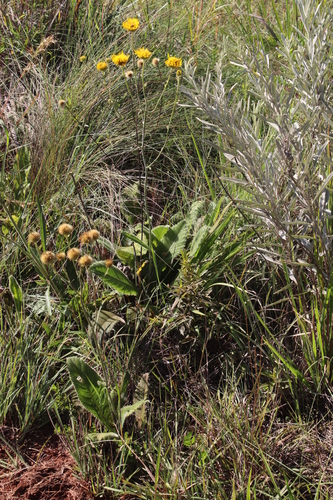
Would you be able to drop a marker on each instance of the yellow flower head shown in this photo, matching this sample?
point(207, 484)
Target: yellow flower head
point(131, 24)
point(120, 59)
point(173, 62)
point(83, 58)
point(33, 237)
point(47, 258)
point(179, 73)
point(143, 53)
point(102, 66)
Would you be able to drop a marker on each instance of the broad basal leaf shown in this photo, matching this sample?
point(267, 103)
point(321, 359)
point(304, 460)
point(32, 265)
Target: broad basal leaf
point(115, 278)
point(91, 390)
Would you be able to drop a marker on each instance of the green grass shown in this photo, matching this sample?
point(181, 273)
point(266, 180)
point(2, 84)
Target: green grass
point(211, 191)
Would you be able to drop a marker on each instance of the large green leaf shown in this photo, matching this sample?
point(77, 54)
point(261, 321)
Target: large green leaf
point(91, 390)
point(128, 410)
point(113, 277)
point(175, 239)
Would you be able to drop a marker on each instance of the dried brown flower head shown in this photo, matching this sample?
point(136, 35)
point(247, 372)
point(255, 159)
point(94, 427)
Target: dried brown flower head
point(94, 234)
point(33, 237)
point(65, 229)
point(108, 262)
point(73, 253)
point(61, 256)
point(85, 261)
point(47, 258)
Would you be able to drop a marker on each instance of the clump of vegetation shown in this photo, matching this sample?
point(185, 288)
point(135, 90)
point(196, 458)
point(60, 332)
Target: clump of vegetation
point(166, 239)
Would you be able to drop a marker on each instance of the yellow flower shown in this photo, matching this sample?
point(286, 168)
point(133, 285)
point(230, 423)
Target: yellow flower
point(73, 253)
point(179, 73)
point(47, 257)
point(33, 237)
point(131, 24)
point(173, 62)
point(120, 59)
point(102, 66)
point(65, 229)
point(143, 53)
point(83, 58)
point(85, 261)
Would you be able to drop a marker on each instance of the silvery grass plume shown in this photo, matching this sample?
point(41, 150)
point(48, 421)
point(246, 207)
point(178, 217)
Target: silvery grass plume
point(276, 140)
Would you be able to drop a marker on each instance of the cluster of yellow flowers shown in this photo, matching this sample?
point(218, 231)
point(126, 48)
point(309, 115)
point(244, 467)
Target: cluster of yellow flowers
point(121, 59)
point(73, 254)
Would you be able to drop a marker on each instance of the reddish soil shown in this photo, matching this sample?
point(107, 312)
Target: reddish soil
point(47, 471)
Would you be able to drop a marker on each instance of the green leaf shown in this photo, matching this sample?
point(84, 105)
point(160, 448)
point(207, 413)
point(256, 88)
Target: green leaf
point(160, 231)
point(113, 277)
point(126, 411)
point(17, 293)
point(137, 240)
point(198, 238)
point(128, 254)
point(175, 239)
point(48, 301)
point(91, 390)
point(42, 224)
point(141, 393)
point(100, 437)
